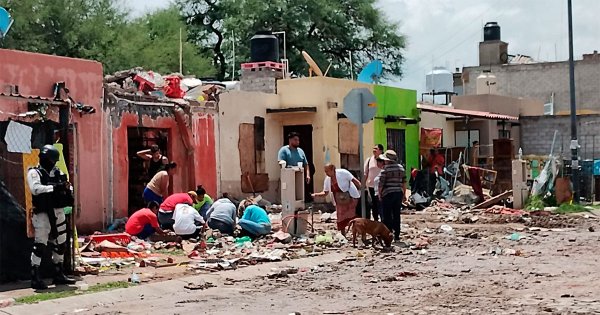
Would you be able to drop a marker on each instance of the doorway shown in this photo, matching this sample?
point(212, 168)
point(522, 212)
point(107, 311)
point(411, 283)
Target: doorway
point(396, 141)
point(306, 143)
point(138, 139)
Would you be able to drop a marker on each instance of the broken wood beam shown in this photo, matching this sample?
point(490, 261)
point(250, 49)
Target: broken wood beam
point(494, 200)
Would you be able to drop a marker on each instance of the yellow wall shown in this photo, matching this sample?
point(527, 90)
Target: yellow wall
point(237, 107)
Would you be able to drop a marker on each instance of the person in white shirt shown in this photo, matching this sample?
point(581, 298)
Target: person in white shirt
point(345, 188)
point(371, 171)
point(188, 222)
point(380, 164)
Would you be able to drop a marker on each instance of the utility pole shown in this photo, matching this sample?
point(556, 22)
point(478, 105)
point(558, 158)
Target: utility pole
point(574, 142)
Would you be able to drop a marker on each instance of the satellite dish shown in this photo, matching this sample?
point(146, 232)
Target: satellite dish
point(6, 22)
point(313, 68)
point(371, 73)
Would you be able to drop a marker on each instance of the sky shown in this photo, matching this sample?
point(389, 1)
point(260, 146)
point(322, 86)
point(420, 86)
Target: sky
point(447, 32)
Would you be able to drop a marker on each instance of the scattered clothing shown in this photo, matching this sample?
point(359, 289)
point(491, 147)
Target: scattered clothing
point(138, 221)
point(187, 220)
point(292, 156)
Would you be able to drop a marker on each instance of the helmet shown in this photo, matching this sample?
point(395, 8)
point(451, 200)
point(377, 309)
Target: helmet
point(49, 152)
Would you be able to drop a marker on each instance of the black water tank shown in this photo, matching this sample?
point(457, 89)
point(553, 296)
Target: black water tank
point(491, 31)
point(264, 46)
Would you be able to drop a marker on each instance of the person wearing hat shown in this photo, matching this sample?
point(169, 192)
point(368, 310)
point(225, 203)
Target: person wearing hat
point(51, 193)
point(371, 171)
point(165, 213)
point(392, 189)
point(345, 188)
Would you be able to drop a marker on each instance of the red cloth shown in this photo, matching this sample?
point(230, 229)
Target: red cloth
point(139, 219)
point(476, 182)
point(173, 88)
point(169, 204)
point(437, 161)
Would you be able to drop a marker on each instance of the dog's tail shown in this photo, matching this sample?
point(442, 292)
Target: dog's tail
point(350, 224)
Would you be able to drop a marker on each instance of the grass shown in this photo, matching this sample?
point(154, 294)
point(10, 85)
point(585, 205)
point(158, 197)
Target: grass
point(45, 296)
point(570, 208)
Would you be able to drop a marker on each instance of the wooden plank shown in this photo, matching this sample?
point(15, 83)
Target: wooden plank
point(246, 149)
point(347, 137)
point(494, 200)
point(254, 183)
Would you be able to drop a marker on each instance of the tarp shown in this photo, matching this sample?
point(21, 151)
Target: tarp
point(15, 247)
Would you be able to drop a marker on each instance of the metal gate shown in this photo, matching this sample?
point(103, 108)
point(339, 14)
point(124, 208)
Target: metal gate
point(396, 141)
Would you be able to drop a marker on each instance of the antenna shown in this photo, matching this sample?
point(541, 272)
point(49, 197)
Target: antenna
point(313, 67)
point(6, 22)
point(233, 51)
point(180, 52)
point(371, 73)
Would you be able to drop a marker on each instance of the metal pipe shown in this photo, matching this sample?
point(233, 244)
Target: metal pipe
point(574, 143)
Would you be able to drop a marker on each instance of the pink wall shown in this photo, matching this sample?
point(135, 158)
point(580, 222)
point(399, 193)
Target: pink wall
point(35, 74)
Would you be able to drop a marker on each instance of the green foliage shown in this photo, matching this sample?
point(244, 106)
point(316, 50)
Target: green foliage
point(328, 30)
point(100, 30)
point(570, 208)
point(534, 203)
point(45, 296)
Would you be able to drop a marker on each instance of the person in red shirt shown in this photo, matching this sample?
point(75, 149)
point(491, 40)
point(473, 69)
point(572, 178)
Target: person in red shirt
point(144, 222)
point(436, 162)
point(165, 213)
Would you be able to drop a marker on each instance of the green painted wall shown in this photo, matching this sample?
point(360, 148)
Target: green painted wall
point(393, 101)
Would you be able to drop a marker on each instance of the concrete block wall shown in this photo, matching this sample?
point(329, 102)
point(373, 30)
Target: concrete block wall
point(537, 133)
point(265, 85)
point(540, 80)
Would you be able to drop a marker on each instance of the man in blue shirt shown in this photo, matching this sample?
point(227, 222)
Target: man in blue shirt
point(292, 154)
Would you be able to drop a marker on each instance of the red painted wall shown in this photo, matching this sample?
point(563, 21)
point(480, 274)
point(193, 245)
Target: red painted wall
point(205, 152)
point(35, 74)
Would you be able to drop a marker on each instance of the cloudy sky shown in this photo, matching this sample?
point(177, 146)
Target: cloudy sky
point(446, 32)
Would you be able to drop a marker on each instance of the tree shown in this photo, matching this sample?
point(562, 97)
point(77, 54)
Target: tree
point(329, 30)
point(100, 30)
point(152, 42)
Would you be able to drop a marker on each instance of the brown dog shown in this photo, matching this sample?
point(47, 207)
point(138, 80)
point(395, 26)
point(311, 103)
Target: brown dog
point(378, 231)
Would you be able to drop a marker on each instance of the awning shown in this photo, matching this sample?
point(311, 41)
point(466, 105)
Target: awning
point(292, 110)
point(464, 112)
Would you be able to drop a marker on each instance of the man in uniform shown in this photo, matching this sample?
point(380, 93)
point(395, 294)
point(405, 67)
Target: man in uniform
point(51, 193)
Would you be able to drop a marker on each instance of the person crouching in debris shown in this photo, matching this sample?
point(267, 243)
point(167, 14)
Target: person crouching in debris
point(143, 223)
point(204, 201)
point(51, 193)
point(221, 216)
point(254, 220)
point(165, 213)
point(345, 188)
point(188, 223)
point(392, 190)
point(158, 187)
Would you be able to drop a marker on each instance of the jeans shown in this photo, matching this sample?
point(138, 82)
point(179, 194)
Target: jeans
point(392, 204)
point(255, 229)
point(149, 195)
point(166, 220)
point(146, 232)
point(374, 204)
point(204, 209)
point(223, 227)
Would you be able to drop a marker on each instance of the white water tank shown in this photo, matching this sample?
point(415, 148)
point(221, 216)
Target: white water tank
point(487, 84)
point(439, 80)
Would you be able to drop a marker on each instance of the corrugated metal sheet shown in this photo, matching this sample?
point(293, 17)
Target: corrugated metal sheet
point(464, 112)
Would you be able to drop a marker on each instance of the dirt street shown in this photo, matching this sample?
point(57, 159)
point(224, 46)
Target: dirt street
point(472, 269)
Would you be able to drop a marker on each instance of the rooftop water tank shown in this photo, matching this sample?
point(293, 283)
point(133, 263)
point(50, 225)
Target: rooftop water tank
point(439, 80)
point(491, 31)
point(264, 46)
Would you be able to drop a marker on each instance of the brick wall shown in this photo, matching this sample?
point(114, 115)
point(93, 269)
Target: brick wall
point(537, 133)
point(539, 80)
